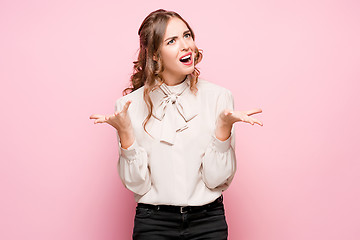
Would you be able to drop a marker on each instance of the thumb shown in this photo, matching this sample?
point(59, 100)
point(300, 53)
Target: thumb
point(228, 112)
point(126, 106)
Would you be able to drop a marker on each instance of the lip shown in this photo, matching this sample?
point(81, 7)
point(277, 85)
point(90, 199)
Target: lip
point(187, 63)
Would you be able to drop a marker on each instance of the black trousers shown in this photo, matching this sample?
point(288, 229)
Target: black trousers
point(207, 224)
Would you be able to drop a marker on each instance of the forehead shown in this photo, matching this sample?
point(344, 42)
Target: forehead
point(175, 27)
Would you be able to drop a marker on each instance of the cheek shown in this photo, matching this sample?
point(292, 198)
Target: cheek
point(169, 55)
point(192, 45)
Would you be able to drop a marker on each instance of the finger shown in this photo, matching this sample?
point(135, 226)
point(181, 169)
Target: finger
point(237, 114)
point(100, 120)
point(253, 111)
point(108, 117)
point(246, 120)
point(228, 112)
point(126, 106)
point(96, 116)
point(257, 121)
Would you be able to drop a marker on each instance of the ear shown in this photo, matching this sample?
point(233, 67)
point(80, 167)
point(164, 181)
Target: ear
point(155, 58)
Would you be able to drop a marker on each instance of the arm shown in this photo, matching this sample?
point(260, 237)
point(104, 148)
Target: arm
point(133, 168)
point(219, 161)
point(133, 161)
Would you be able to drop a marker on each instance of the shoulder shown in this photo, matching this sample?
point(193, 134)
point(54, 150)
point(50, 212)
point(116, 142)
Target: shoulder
point(215, 95)
point(135, 97)
point(206, 87)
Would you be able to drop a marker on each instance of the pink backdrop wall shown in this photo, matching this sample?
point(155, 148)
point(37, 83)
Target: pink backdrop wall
point(61, 61)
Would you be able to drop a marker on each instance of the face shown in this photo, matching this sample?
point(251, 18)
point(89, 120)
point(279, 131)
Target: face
point(177, 51)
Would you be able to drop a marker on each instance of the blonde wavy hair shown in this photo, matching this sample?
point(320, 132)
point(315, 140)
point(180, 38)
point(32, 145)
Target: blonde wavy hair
point(147, 71)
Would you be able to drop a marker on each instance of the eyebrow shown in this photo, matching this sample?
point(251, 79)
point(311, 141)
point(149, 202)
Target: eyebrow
point(175, 37)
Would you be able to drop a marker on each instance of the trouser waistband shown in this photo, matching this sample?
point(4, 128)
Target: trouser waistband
point(182, 209)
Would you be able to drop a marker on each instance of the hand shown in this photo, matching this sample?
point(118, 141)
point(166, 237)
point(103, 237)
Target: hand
point(119, 120)
point(227, 117)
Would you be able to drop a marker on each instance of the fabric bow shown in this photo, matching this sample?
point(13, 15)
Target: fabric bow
point(170, 109)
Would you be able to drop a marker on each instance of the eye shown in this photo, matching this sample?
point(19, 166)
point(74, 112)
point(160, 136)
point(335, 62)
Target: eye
point(171, 41)
point(187, 35)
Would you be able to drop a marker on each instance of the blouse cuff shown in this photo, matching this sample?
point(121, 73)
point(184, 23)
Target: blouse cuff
point(130, 152)
point(222, 146)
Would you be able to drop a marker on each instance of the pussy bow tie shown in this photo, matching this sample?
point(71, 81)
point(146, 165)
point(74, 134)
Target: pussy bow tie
point(174, 110)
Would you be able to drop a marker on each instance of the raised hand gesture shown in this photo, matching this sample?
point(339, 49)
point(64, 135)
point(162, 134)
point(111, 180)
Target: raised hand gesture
point(230, 117)
point(121, 122)
point(227, 118)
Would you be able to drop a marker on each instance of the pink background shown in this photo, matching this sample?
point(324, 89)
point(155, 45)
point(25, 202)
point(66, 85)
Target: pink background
point(61, 61)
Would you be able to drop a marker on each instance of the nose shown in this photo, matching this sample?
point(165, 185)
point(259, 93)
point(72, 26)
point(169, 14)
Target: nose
point(184, 45)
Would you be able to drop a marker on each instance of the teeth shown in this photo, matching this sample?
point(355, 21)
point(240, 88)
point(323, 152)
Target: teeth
point(186, 57)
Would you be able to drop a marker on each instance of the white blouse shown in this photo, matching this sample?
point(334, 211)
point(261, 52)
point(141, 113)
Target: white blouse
point(179, 161)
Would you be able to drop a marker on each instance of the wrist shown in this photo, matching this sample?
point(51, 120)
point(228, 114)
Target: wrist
point(223, 131)
point(125, 134)
point(126, 138)
point(223, 125)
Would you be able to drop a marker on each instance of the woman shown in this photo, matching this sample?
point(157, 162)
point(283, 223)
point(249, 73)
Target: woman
point(176, 136)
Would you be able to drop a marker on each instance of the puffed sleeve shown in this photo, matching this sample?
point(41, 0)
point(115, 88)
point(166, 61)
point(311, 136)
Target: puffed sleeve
point(219, 161)
point(133, 164)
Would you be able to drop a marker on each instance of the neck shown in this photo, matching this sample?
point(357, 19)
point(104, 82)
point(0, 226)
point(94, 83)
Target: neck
point(174, 80)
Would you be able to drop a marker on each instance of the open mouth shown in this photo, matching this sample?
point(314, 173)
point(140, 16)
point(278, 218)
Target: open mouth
point(186, 59)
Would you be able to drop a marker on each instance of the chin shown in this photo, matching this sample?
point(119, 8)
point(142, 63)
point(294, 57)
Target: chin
point(189, 71)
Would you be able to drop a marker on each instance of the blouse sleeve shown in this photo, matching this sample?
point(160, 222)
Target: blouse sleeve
point(219, 161)
point(133, 165)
